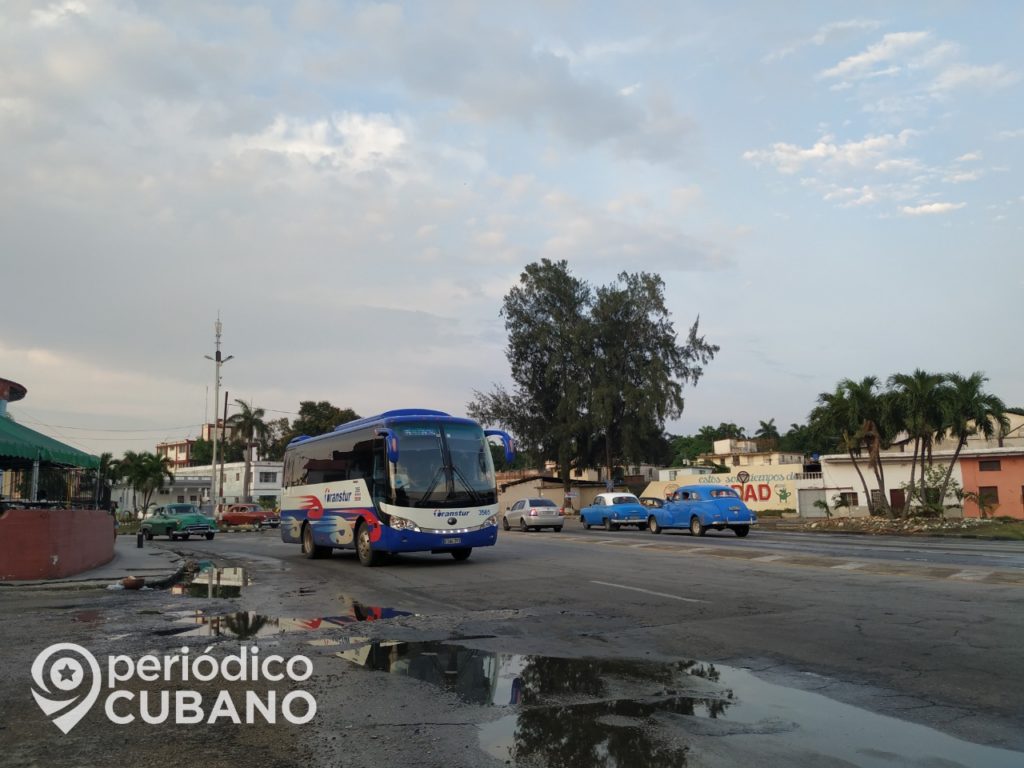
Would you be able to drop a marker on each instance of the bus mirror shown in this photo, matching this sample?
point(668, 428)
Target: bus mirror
point(506, 441)
point(390, 444)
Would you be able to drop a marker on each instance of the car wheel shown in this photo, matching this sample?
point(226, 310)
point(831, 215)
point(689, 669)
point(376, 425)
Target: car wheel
point(504, 523)
point(368, 556)
point(697, 528)
point(209, 537)
point(148, 534)
point(652, 524)
point(462, 554)
point(522, 525)
point(586, 525)
point(608, 524)
point(557, 529)
point(741, 530)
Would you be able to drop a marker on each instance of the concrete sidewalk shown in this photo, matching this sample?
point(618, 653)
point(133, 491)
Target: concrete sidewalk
point(151, 563)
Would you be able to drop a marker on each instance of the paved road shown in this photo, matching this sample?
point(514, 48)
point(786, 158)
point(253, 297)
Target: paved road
point(572, 649)
point(923, 630)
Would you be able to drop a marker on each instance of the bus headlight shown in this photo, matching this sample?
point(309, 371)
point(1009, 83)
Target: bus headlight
point(401, 524)
point(491, 521)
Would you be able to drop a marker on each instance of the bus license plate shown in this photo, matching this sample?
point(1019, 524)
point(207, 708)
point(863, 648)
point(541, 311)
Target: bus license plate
point(452, 541)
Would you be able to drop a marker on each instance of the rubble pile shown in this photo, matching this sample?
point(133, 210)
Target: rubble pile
point(885, 525)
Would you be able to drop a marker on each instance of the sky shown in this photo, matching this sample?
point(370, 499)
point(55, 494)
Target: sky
point(833, 188)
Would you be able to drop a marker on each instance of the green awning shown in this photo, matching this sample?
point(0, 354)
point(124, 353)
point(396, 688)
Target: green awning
point(19, 444)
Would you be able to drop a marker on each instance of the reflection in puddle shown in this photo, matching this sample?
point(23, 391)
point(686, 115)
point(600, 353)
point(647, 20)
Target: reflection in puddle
point(244, 624)
point(623, 713)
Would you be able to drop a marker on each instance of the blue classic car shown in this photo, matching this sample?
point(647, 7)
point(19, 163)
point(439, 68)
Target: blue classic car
point(614, 509)
point(699, 507)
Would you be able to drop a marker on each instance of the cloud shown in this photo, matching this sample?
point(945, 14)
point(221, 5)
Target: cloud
point(967, 76)
point(825, 34)
point(1010, 134)
point(790, 158)
point(892, 46)
point(969, 157)
point(931, 209)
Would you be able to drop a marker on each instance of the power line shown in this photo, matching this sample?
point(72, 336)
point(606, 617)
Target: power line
point(100, 429)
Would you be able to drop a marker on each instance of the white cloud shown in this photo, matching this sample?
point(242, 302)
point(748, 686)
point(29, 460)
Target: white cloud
point(57, 13)
point(1014, 134)
point(825, 34)
point(790, 158)
point(892, 46)
point(931, 209)
point(969, 157)
point(959, 177)
point(968, 76)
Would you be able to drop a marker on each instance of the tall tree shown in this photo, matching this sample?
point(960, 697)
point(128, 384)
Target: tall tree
point(637, 367)
point(767, 430)
point(835, 415)
point(920, 396)
point(969, 410)
point(868, 410)
point(546, 319)
point(249, 424)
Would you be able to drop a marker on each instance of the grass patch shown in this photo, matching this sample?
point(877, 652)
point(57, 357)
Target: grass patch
point(1003, 531)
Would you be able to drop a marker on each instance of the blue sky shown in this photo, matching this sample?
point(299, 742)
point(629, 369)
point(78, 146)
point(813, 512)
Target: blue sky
point(834, 188)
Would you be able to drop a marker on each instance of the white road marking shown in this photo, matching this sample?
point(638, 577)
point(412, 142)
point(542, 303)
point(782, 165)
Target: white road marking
point(648, 592)
point(848, 566)
point(645, 544)
point(971, 575)
point(767, 558)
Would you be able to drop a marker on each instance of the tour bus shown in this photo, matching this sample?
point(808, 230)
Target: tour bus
point(410, 480)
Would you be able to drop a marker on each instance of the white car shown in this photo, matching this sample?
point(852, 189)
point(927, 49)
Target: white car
point(533, 514)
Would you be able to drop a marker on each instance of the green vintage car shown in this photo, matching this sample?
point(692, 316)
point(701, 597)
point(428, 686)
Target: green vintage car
point(178, 521)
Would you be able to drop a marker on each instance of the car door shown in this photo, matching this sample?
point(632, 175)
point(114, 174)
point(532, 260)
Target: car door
point(517, 512)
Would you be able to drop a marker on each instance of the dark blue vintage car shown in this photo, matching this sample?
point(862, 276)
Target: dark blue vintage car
point(700, 507)
point(611, 510)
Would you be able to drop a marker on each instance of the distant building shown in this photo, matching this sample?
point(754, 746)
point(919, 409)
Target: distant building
point(266, 480)
point(179, 452)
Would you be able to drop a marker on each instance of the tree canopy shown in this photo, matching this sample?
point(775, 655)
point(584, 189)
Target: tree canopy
point(595, 372)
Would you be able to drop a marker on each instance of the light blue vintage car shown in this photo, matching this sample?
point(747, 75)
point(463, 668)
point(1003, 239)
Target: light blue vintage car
point(611, 510)
point(700, 507)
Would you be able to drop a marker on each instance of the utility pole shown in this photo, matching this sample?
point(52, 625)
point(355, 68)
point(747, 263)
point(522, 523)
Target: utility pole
point(217, 362)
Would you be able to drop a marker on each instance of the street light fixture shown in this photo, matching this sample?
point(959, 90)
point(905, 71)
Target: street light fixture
point(218, 361)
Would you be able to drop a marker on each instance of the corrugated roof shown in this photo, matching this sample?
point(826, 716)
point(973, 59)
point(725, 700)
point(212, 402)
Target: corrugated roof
point(19, 444)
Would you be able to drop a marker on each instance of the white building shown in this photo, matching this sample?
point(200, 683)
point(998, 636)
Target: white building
point(266, 481)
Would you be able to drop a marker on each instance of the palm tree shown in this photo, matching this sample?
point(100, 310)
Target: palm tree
point(249, 424)
point(152, 470)
point(836, 415)
point(920, 395)
point(970, 410)
point(872, 410)
point(767, 430)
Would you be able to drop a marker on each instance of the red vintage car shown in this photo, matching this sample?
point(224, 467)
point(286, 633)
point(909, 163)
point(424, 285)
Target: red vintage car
point(250, 515)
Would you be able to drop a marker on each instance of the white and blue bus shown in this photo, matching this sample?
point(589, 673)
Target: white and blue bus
point(410, 480)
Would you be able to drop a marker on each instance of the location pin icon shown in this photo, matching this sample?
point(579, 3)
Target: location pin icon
point(67, 674)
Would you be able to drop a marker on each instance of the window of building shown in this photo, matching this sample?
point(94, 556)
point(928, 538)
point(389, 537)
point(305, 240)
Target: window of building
point(238, 475)
point(672, 475)
point(193, 499)
point(849, 498)
point(989, 465)
point(988, 495)
point(181, 499)
point(268, 477)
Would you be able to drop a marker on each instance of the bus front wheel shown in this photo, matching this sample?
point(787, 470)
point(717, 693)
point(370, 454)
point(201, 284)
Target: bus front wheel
point(462, 554)
point(368, 556)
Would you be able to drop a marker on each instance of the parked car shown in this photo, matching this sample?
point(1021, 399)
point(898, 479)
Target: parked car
point(700, 507)
point(612, 510)
point(529, 514)
point(250, 514)
point(178, 521)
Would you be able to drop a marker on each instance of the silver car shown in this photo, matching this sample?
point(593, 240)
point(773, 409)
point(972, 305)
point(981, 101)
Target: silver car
point(529, 514)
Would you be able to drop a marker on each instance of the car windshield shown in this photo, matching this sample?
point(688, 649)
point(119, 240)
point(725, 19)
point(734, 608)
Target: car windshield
point(184, 509)
point(625, 500)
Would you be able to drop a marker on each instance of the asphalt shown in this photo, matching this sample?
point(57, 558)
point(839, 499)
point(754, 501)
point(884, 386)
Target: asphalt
point(157, 566)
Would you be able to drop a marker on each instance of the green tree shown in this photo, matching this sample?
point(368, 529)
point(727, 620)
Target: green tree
point(767, 430)
point(836, 415)
point(318, 418)
point(969, 410)
point(919, 397)
point(279, 432)
point(637, 367)
point(546, 319)
point(249, 425)
point(201, 452)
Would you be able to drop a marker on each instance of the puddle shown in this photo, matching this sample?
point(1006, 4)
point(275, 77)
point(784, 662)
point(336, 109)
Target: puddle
point(214, 582)
point(87, 617)
point(244, 625)
point(566, 713)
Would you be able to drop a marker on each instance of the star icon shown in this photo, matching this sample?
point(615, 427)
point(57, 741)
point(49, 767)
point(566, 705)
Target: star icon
point(67, 673)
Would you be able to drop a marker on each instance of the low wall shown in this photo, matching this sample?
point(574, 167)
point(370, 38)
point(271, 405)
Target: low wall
point(53, 543)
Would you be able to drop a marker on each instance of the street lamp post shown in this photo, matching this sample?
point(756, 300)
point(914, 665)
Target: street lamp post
point(217, 362)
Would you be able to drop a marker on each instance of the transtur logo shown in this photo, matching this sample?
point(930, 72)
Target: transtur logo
point(67, 673)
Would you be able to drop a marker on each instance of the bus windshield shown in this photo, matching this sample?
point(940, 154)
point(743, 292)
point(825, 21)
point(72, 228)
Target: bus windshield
point(442, 465)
